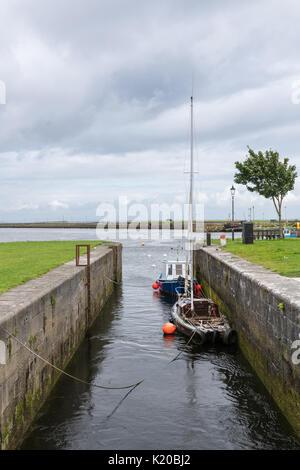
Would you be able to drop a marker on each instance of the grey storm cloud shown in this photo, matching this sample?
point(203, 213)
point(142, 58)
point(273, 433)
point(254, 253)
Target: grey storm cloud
point(98, 99)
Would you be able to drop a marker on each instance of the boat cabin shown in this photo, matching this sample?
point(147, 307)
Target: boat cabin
point(174, 269)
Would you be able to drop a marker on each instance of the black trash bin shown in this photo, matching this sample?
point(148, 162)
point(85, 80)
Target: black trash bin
point(247, 235)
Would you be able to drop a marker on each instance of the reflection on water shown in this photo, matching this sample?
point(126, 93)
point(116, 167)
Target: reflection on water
point(207, 399)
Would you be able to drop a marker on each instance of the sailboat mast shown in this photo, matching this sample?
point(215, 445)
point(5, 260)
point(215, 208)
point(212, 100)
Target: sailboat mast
point(190, 227)
point(189, 251)
point(191, 209)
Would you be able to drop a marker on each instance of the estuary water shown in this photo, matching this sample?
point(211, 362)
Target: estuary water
point(209, 398)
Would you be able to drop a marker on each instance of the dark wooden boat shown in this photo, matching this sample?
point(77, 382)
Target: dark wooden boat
point(205, 322)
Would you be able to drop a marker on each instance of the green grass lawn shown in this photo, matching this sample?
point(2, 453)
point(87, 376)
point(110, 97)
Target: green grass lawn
point(281, 256)
point(22, 261)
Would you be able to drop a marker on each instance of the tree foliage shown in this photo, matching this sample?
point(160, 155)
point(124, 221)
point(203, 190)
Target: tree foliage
point(267, 175)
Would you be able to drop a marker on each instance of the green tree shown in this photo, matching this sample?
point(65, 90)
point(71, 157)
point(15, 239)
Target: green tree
point(268, 176)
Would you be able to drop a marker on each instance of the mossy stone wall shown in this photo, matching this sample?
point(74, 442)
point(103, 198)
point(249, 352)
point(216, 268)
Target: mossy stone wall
point(264, 308)
point(50, 315)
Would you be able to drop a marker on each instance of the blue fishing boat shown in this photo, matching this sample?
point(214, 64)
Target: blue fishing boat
point(172, 282)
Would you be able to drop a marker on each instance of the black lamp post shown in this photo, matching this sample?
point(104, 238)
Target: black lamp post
point(232, 190)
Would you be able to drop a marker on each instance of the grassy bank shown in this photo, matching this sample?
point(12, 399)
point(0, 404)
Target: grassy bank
point(22, 261)
point(281, 256)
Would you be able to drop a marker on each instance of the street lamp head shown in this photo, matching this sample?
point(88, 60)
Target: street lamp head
point(232, 190)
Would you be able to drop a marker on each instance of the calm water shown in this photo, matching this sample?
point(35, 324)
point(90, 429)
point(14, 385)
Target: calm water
point(207, 399)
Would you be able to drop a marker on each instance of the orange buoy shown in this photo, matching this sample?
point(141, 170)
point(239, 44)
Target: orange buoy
point(155, 285)
point(169, 328)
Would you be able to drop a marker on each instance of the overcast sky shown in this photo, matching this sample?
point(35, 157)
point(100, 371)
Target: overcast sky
point(98, 96)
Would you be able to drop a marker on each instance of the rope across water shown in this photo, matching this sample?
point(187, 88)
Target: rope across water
point(77, 379)
point(66, 373)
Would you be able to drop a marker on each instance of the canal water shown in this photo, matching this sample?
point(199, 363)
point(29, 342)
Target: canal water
point(209, 398)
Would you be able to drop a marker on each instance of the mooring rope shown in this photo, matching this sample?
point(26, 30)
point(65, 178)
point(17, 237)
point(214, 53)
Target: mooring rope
point(135, 285)
point(120, 403)
point(193, 325)
point(186, 344)
point(119, 283)
point(66, 373)
point(77, 379)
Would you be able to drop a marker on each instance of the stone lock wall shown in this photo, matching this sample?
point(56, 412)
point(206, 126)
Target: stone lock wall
point(51, 316)
point(264, 308)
